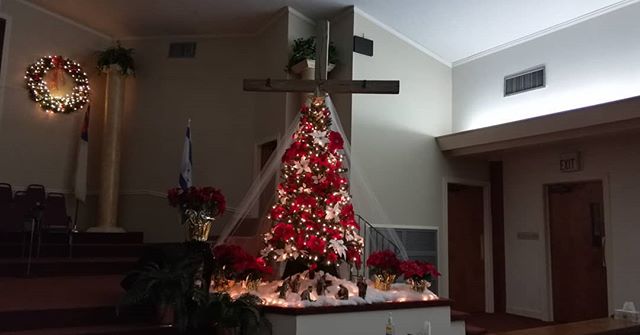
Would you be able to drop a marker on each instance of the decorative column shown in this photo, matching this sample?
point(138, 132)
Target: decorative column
point(112, 137)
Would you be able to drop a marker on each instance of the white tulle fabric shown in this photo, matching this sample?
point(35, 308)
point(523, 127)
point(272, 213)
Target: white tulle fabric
point(364, 202)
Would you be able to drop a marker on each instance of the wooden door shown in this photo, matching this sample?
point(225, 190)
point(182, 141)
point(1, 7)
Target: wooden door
point(466, 247)
point(578, 268)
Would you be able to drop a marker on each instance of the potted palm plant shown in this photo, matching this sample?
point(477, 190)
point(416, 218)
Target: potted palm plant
point(240, 316)
point(169, 286)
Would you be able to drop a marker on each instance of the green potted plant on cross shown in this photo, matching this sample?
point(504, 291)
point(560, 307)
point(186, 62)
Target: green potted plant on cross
point(303, 55)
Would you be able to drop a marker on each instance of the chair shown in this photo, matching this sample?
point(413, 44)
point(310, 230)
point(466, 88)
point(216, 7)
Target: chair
point(6, 194)
point(35, 194)
point(54, 218)
point(17, 215)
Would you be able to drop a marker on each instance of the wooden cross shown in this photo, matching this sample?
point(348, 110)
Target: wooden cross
point(321, 84)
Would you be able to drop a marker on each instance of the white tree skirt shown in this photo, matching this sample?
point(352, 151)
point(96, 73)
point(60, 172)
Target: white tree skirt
point(268, 291)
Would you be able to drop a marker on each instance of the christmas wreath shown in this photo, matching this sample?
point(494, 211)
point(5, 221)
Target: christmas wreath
point(41, 93)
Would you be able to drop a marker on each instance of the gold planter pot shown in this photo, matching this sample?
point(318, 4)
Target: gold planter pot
point(383, 281)
point(220, 283)
point(418, 285)
point(198, 225)
point(252, 284)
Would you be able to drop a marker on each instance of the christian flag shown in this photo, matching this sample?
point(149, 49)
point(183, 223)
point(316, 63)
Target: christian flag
point(186, 164)
point(82, 160)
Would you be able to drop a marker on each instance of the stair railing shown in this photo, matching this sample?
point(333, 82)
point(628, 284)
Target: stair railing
point(374, 239)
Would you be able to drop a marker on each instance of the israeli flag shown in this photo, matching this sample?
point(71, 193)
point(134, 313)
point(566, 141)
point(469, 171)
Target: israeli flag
point(186, 164)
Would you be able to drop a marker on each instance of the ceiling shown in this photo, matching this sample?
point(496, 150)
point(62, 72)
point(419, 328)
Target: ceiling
point(452, 29)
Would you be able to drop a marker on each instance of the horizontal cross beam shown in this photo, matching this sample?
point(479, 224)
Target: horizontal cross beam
point(329, 86)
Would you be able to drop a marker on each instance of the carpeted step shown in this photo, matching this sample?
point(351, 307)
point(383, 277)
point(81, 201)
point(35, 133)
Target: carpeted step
point(91, 250)
point(20, 320)
point(95, 238)
point(473, 330)
point(134, 329)
point(458, 315)
point(41, 267)
point(82, 237)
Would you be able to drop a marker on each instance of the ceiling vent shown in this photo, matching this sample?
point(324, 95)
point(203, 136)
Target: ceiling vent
point(525, 81)
point(182, 50)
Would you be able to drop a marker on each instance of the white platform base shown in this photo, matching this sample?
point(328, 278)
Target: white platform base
point(106, 230)
point(407, 321)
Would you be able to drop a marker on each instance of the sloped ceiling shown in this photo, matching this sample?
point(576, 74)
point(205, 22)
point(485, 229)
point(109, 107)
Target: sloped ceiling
point(452, 29)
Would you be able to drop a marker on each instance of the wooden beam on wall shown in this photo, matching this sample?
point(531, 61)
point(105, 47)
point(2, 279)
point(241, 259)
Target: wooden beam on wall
point(330, 86)
point(322, 50)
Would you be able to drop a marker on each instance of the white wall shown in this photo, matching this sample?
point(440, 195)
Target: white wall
point(38, 147)
point(393, 136)
point(616, 161)
point(228, 124)
point(161, 98)
point(299, 26)
point(595, 61)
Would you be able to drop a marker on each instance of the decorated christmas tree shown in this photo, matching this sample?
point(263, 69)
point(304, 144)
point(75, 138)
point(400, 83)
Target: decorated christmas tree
point(313, 219)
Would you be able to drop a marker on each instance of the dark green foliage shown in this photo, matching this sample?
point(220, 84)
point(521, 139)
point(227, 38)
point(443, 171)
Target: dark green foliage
point(305, 48)
point(242, 313)
point(179, 276)
point(168, 284)
point(119, 56)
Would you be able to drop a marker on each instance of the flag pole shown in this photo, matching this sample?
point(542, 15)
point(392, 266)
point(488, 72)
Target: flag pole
point(75, 218)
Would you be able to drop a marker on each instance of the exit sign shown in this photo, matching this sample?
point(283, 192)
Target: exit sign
point(570, 162)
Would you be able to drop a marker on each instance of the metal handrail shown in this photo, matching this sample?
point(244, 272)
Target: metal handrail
point(378, 233)
point(381, 241)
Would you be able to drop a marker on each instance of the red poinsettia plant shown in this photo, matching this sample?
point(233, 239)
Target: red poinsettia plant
point(383, 262)
point(208, 199)
point(253, 268)
point(419, 270)
point(235, 263)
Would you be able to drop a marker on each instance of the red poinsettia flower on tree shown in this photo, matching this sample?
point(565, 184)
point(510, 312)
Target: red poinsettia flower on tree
point(316, 245)
point(277, 212)
point(283, 232)
point(335, 141)
point(354, 257)
point(332, 257)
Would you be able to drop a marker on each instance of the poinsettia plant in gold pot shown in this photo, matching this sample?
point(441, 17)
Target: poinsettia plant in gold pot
point(419, 274)
point(384, 267)
point(199, 206)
